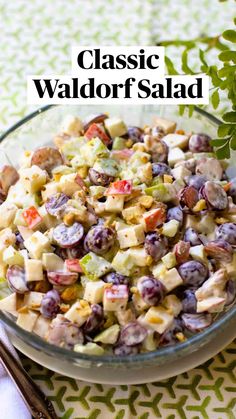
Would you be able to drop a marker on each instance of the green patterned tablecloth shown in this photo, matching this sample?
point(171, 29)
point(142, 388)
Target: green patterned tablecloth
point(35, 38)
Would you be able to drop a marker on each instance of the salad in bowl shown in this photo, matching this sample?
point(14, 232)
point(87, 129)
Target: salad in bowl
point(118, 239)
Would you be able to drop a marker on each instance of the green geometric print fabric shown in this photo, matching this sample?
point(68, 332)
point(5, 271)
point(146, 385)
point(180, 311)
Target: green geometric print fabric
point(35, 38)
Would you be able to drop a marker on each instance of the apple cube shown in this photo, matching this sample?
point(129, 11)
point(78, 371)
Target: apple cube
point(115, 298)
point(47, 220)
point(37, 244)
point(171, 279)
point(166, 125)
point(170, 228)
point(33, 300)
point(139, 256)
point(7, 214)
point(52, 263)
point(78, 314)
point(19, 219)
point(159, 270)
point(198, 253)
point(72, 126)
point(131, 236)
point(123, 262)
point(115, 126)
point(50, 189)
point(114, 203)
point(25, 232)
point(33, 178)
point(180, 172)
point(41, 326)
point(12, 257)
point(94, 291)
point(172, 304)
point(32, 217)
point(27, 320)
point(176, 140)
point(154, 218)
point(175, 155)
point(9, 304)
point(69, 184)
point(169, 260)
point(159, 319)
point(33, 270)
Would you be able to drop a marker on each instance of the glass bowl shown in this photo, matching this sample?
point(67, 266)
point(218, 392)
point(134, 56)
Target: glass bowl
point(38, 129)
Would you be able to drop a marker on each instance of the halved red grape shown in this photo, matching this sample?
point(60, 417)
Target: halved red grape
point(94, 119)
point(151, 290)
point(200, 143)
point(99, 239)
point(159, 169)
point(215, 195)
point(219, 250)
point(71, 253)
point(135, 134)
point(64, 333)
point(62, 278)
point(231, 292)
point(133, 334)
point(227, 232)
point(192, 237)
point(95, 319)
point(16, 279)
point(47, 158)
point(99, 179)
point(189, 301)
point(193, 273)
point(50, 304)
point(68, 236)
point(8, 177)
point(56, 204)
point(123, 350)
point(196, 322)
point(175, 213)
point(197, 181)
point(159, 152)
point(169, 336)
point(156, 246)
point(116, 279)
point(210, 168)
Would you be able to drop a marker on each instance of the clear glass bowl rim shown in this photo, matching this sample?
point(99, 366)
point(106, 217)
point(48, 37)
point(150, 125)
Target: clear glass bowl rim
point(169, 352)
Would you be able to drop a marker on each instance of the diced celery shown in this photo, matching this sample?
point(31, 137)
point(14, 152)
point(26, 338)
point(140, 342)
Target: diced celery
point(94, 266)
point(72, 147)
point(163, 192)
point(108, 166)
point(118, 143)
point(92, 150)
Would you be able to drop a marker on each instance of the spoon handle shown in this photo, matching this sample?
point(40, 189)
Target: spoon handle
point(38, 404)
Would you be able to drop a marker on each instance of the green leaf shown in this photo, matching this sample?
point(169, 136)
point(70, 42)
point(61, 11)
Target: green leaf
point(218, 142)
point(186, 69)
point(170, 67)
point(215, 99)
point(224, 129)
point(227, 70)
point(233, 142)
point(181, 109)
point(230, 35)
point(190, 110)
point(229, 117)
point(223, 152)
point(213, 73)
point(204, 67)
point(228, 56)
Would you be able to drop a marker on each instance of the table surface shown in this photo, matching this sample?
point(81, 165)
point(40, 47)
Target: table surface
point(35, 38)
